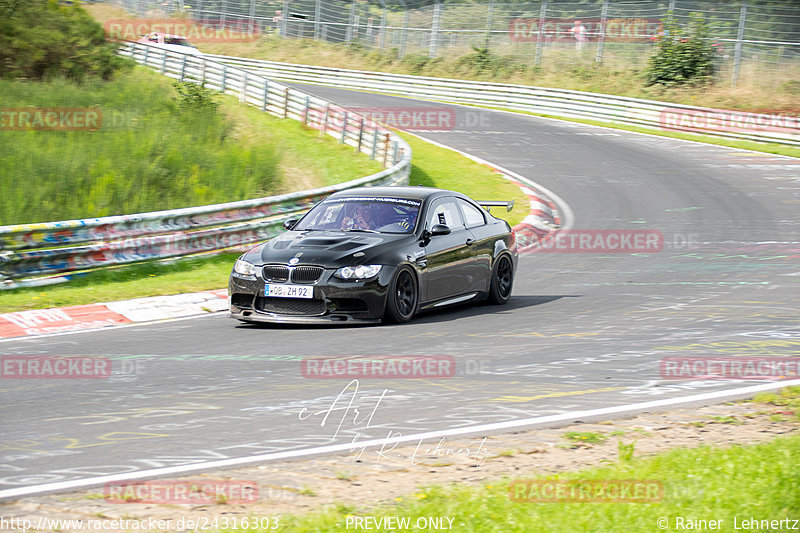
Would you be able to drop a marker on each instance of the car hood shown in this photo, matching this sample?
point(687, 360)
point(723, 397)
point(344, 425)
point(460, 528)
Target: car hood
point(325, 248)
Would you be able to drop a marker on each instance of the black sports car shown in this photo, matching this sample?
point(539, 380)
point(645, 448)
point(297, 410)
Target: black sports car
point(377, 253)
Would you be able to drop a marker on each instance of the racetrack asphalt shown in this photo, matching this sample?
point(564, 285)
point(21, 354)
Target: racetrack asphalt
point(582, 330)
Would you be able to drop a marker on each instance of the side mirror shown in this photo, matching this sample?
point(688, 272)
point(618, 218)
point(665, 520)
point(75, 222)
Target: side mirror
point(289, 224)
point(440, 229)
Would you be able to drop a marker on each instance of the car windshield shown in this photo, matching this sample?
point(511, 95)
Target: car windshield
point(378, 214)
point(180, 41)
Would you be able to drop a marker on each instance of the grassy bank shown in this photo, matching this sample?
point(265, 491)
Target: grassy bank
point(705, 483)
point(432, 166)
point(150, 154)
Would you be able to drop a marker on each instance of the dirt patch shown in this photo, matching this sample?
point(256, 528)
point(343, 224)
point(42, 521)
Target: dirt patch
point(373, 478)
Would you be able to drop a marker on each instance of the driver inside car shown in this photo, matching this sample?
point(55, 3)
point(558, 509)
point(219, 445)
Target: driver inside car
point(360, 218)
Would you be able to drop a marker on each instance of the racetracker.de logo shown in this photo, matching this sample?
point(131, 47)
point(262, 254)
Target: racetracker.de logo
point(379, 367)
point(602, 241)
point(54, 367)
point(220, 31)
point(193, 491)
point(586, 490)
point(50, 119)
point(771, 368)
point(399, 118)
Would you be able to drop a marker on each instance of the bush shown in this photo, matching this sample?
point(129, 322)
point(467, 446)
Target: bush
point(416, 62)
point(685, 54)
point(483, 61)
point(194, 96)
point(41, 40)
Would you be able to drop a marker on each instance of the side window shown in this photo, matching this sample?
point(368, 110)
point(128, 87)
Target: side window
point(446, 212)
point(472, 215)
point(153, 38)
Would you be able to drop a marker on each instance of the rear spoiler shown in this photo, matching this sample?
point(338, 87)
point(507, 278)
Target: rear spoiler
point(508, 205)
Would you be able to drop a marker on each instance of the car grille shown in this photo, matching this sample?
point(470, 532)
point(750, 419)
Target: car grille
point(276, 273)
point(306, 274)
point(291, 306)
point(301, 274)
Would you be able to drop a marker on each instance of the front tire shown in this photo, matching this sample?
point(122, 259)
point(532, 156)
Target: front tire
point(502, 280)
point(403, 297)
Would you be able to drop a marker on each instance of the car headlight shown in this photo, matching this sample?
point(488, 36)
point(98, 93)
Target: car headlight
point(244, 268)
point(358, 272)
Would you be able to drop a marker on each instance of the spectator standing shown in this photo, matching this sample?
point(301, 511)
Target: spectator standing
point(580, 34)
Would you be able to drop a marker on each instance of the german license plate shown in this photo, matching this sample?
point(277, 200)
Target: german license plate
point(288, 291)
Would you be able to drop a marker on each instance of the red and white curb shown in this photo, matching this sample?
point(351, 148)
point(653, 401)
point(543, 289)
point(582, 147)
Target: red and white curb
point(85, 317)
point(542, 220)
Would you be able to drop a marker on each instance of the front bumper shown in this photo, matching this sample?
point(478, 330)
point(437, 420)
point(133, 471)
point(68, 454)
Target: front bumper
point(334, 300)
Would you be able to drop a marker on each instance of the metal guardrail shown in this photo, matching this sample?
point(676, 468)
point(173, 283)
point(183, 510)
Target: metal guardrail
point(542, 100)
point(29, 250)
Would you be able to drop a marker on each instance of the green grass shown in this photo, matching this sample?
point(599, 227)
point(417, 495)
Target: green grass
point(432, 166)
point(157, 278)
point(704, 483)
point(151, 155)
point(585, 437)
point(786, 402)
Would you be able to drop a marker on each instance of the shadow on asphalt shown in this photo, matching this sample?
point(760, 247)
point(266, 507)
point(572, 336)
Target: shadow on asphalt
point(445, 314)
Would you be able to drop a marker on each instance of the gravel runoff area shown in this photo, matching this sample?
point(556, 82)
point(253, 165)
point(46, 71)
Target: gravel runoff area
point(372, 479)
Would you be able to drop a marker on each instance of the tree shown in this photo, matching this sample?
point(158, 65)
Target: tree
point(40, 39)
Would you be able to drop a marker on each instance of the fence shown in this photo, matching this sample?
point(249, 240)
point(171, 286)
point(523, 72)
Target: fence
point(559, 102)
point(42, 249)
point(763, 35)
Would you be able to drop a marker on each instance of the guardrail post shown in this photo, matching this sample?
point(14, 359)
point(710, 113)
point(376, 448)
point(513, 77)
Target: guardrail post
point(374, 150)
point(286, 102)
point(266, 95)
point(164, 63)
point(203, 73)
point(243, 95)
point(146, 53)
point(324, 126)
point(437, 15)
point(601, 38)
point(385, 149)
point(360, 135)
point(737, 54)
point(224, 76)
point(540, 33)
point(394, 152)
point(344, 128)
point(305, 111)
point(183, 67)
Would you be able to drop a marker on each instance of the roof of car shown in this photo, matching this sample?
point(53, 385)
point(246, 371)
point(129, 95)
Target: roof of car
point(416, 193)
point(170, 35)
